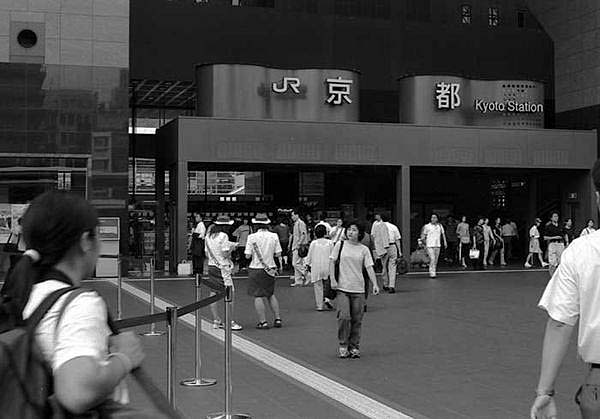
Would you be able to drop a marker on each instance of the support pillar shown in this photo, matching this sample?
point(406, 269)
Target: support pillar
point(159, 215)
point(533, 201)
point(181, 228)
point(402, 206)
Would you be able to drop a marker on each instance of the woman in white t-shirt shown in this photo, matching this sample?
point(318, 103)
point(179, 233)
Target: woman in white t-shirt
point(534, 245)
point(589, 229)
point(218, 250)
point(350, 283)
point(317, 262)
point(88, 364)
point(433, 235)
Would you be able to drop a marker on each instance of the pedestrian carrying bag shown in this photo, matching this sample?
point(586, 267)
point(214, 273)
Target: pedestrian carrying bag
point(272, 272)
point(303, 250)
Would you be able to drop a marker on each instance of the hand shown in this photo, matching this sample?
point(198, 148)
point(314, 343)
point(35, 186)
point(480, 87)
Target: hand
point(543, 407)
point(129, 345)
point(375, 289)
point(334, 284)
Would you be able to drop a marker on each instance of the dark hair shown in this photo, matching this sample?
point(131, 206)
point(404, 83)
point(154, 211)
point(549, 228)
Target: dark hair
point(320, 231)
point(554, 213)
point(52, 225)
point(219, 228)
point(436, 214)
point(359, 226)
point(384, 218)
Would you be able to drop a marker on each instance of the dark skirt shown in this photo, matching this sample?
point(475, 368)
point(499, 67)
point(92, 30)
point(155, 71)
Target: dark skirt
point(214, 280)
point(260, 284)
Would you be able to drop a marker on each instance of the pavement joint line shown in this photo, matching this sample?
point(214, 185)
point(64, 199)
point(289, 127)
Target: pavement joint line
point(347, 396)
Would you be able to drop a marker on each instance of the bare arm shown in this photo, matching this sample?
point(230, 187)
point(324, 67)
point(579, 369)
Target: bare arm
point(373, 279)
point(83, 383)
point(556, 342)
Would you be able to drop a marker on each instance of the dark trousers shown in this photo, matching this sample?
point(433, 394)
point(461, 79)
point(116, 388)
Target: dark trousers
point(478, 263)
point(451, 252)
point(508, 247)
point(198, 264)
point(350, 310)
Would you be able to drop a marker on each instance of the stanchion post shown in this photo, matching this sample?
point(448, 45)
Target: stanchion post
point(153, 331)
point(228, 386)
point(119, 291)
point(198, 381)
point(172, 346)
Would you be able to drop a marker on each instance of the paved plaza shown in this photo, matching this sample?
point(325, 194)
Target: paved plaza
point(466, 345)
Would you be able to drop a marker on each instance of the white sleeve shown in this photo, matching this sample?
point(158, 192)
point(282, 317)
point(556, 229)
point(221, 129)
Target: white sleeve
point(249, 247)
point(561, 297)
point(83, 330)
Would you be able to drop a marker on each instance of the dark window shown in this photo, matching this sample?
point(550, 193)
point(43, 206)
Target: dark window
point(312, 6)
point(419, 10)
point(521, 18)
point(346, 7)
point(493, 16)
point(466, 14)
point(27, 38)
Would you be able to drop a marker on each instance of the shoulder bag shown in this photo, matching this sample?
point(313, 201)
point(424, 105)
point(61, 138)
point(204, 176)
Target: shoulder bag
point(272, 272)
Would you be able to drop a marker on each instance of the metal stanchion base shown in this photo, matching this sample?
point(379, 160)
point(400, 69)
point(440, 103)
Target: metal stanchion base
point(229, 416)
point(153, 333)
point(199, 382)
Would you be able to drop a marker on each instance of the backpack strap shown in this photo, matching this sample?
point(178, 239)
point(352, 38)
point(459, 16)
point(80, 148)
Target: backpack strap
point(44, 306)
point(72, 295)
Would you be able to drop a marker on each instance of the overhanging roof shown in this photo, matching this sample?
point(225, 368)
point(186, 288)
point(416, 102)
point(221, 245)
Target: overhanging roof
point(173, 94)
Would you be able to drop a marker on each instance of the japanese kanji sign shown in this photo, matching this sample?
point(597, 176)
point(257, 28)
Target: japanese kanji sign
point(446, 95)
point(339, 91)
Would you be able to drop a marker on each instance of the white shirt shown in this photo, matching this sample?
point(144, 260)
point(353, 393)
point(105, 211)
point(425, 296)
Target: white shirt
point(220, 246)
point(393, 232)
point(433, 235)
point(318, 258)
point(83, 330)
point(200, 230)
point(587, 230)
point(268, 245)
point(534, 233)
point(573, 294)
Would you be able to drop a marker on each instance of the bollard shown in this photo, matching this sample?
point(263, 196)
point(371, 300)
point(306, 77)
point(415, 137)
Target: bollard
point(198, 381)
point(153, 331)
point(119, 291)
point(228, 386)
point(171, 344)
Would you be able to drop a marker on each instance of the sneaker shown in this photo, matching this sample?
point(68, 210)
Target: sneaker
point(343, 352)
point(354, 353)
point(528, 265)
point(328, 305)
point(234, 326)
point(217, 324)
point(545, 265)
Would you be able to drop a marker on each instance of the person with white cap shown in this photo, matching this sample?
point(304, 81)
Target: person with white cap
point(220, 266)
point(262, 248)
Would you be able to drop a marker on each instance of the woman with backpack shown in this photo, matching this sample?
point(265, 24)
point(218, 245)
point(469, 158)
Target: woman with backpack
point(87, 363)
point(348, 261)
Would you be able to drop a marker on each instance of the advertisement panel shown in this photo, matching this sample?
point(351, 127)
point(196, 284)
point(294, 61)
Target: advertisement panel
point(257, 92)
point(450, 100)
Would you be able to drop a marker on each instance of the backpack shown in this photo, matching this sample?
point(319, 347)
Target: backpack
point(25, 377)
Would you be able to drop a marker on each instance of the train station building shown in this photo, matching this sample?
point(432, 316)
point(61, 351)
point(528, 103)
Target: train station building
point(341, 108)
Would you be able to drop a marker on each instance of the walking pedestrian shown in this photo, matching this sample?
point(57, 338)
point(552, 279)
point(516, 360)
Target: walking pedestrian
point(589, 229)
point(556, 237)
point(197, 245)
point(509, 235)
point(452, 238)
point(433, 235)
point(220, 266)
point(478, 243)
point(241, 237)
point(381, 240)
point(464, 235)
point(317, 262)
point(498, 246)
point(390, 262)
point(347, 262)
point(569, 231)
point(489, 240)
point(262, 248)
point(283, 233)
point(573, 296)
point(299, 248)
point(534, 245)
point(89, 366)
point(338, 232)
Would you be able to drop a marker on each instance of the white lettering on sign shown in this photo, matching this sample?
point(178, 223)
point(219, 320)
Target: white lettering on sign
point(484, 106)
point(338, 90)
point(447, 95)
point(287, 83)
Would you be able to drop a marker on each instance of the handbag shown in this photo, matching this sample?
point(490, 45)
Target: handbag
point(474, 253)
point(272, 272)
point(184, 268)
point(303, 250)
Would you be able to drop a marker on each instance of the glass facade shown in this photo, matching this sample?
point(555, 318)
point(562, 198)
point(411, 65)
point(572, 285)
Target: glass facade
point(64, 127)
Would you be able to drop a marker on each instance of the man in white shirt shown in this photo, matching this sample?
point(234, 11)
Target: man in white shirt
point(432, 235)
point(390, 260)
point(572, 295)
point(381, 237)
point(299, 240)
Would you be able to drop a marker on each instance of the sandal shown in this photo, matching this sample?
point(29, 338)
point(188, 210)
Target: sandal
point(277, 323)
point(262, 325)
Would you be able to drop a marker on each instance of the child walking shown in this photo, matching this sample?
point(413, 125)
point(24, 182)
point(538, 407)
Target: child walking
point(317, 262)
